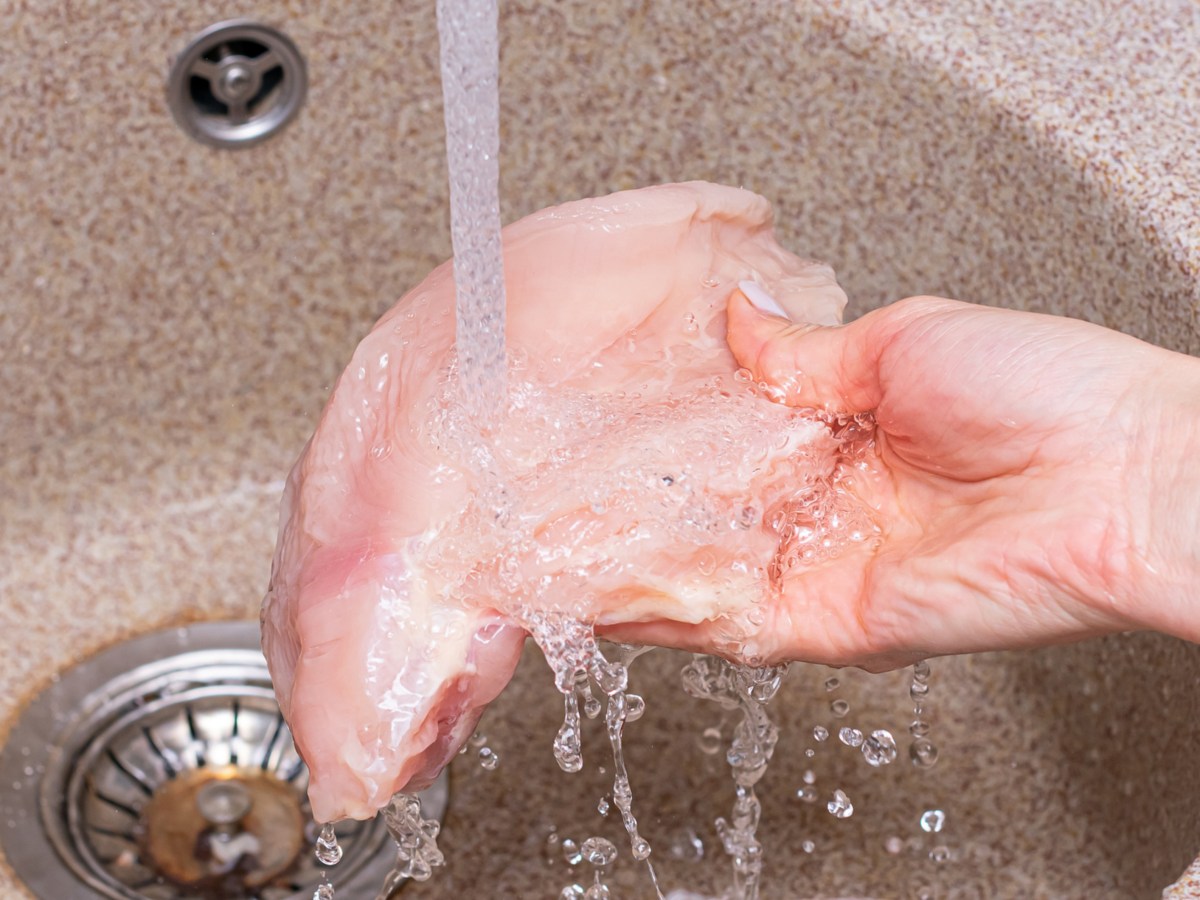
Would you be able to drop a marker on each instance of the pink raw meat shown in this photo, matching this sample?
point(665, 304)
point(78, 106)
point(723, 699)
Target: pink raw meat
point(639, 482)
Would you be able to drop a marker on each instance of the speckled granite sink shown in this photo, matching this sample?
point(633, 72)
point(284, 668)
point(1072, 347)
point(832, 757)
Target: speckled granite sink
point(174, 316)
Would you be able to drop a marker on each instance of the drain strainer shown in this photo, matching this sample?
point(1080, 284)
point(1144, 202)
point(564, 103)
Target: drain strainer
point(163, 769)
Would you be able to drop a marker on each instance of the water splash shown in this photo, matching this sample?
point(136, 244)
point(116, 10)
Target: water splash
point(747, 689)
point(417, 853)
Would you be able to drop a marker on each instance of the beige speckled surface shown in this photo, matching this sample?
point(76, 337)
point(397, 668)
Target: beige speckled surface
point(174, 315)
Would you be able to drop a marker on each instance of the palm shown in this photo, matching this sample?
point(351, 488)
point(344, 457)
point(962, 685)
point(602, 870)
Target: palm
point(995, 523)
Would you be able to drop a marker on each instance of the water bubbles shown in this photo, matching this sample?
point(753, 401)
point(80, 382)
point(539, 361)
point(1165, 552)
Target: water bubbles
point(879, 748)
point(708, 281)
point(710, 741)
point(603, 807)
point(488, 758)
point(851, 737)
point(808, 846)
point(328, 851)
point(832, 683)
point(932, 821)
point(821, 733)
point(923, 753)
point(840, 806)
point(839, 709)
point(599, 851)
point(743, 376)
point(689, 324)
point(756, 616)
point(571, 852)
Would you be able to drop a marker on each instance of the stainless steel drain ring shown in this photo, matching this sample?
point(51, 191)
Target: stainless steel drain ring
point(91, 752)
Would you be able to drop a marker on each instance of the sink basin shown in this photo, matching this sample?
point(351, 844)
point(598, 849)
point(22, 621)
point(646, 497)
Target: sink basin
point(175, 316)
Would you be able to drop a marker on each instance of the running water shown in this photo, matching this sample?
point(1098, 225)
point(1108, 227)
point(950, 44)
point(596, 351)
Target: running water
point(417, 853)
point(470, 55)
point(747, 689)
point(571, 649)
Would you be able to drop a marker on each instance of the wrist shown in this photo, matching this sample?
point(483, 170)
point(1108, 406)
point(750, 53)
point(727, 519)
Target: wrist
point(1166, 485)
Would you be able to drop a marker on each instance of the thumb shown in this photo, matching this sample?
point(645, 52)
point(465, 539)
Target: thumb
point(828, 367)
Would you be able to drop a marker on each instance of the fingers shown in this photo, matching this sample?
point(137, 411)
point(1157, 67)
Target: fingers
point(828, 367)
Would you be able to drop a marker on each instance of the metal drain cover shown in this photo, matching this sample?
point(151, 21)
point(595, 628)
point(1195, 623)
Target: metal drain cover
point(163, 769)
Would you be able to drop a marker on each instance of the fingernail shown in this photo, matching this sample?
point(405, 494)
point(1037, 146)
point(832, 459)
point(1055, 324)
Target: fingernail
point(761, 299)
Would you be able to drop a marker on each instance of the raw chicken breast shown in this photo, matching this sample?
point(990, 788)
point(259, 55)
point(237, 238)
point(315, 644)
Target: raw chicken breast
point(637, 479)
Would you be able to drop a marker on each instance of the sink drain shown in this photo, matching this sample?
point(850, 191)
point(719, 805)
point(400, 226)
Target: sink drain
point(163, 769)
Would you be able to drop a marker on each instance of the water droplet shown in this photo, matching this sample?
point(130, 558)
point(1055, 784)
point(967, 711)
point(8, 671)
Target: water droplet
point(324, 891)
point(329, 853)
point(839, 708)
point(689, 324)
point(591, 707)
point(571, 852)
point(603, 807)
point(708, 281)
point(918, 690)
point(851, 737)
point(893, 845)
point(920, 670)
point(918, 728)
point(879, 748)
point(939, 854)
point(599, 851)
point(478, 739)
point(756, 616)
point(598, 891)
point(808, 794)
point(924, 754)
point(840, 806)
point(710, 741)
point(932, 821)
point(832, 683)
point(810, 752)
point(743, 376)
point(635, 706)
point(571, 892)
point(687, 845)
point(488, 758)
point(808, 846)
point(821, 733)
point(551, 849)
point(641, 849)
point(810, 777)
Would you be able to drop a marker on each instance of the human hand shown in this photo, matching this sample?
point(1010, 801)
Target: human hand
point(1032, 481)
